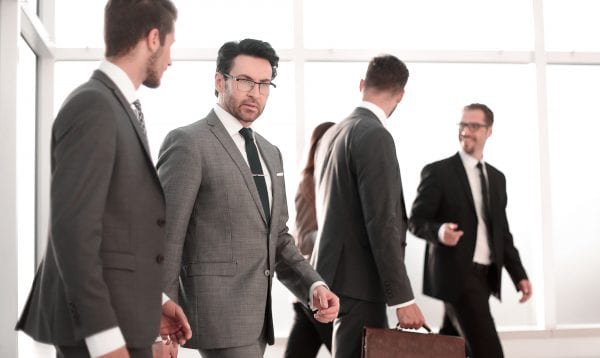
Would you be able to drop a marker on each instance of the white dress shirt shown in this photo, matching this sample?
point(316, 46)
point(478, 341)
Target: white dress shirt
point(380, 113)
point(482, 248)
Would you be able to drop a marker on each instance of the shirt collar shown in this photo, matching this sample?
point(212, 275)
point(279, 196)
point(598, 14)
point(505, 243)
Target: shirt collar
point(377, 111)
point(120, 78)
point(468, 160)
point(232, 125)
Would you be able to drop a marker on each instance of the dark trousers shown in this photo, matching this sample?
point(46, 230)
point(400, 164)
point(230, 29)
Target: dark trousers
point(82, 352)
point(348, 327)
point(471, 318)
point(307, 334)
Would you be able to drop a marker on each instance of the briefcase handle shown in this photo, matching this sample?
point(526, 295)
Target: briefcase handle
point(425, 327)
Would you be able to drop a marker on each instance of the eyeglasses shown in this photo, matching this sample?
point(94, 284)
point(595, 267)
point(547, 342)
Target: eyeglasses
point(247, 85)
point(472, 126)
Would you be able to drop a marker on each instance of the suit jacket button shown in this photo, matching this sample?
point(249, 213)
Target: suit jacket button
point(159, 259)
point(160, 222)
point(267, 273)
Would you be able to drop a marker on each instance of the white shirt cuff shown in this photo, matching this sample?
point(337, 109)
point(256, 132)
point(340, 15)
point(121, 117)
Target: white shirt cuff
point(402, 305)
point(441, 233)
point(165, 298)
point(311, 292)
point(104, 342)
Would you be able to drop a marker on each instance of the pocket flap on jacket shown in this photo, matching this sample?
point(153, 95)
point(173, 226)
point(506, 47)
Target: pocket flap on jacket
point(210, 269)
point(118, 260)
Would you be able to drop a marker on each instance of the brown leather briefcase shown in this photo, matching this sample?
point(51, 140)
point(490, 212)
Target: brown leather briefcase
point(392, 343)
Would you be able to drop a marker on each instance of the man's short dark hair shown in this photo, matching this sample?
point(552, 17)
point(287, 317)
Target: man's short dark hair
point(128, 21)
point(488, 115)
point(250, 47)
point(386, 73)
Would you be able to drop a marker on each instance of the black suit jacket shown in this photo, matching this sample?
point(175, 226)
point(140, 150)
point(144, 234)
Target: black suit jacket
point(360, 212)
point(103, 262)
point(444, 195)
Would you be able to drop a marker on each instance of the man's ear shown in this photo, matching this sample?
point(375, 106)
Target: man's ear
point(399, 95)
point(219, 82)
point(153, 40)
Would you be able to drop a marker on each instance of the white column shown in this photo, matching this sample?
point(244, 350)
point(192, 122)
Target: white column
point(546, 292)
point(9, 35)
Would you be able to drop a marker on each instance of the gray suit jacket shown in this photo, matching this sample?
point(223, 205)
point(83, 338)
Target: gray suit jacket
point(360, 212)
point(107, 226)
point(219, 242)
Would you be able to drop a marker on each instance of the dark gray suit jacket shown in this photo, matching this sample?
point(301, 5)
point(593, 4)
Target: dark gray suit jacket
point(107, 226)
point(219, 242)
point(360, 212)
point(444, 195)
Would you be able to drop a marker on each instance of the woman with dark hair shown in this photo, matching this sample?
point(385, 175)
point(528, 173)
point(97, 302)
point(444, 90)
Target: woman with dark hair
point(307, 334)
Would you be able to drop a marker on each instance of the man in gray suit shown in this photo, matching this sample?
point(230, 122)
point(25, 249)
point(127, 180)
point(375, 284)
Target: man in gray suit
point(361, 215)
point(227, 215)
point(97, 291)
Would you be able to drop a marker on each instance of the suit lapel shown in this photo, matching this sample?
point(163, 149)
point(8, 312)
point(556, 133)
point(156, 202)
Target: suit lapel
point(270, 161)
point(219, 131)
point(463, 179)
point(126, 105)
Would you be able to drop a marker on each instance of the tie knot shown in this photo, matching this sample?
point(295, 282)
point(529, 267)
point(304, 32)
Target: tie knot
point(479, 165)
point(247, 134)
point(138, 105)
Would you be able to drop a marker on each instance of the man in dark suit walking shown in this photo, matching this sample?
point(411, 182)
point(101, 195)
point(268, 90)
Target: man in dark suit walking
point(361, 214)
point(97, 291)
point(460, 209)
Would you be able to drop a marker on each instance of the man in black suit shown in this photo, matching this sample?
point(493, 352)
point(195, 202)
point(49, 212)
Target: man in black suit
point(98, 290)
point(460, 209)
point(361, 215)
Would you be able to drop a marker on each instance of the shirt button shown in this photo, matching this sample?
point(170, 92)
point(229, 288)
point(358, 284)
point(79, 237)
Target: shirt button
point(160, 222)
point(159, 259)
point(267, 273)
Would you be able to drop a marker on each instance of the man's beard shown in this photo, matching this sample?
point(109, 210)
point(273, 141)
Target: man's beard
point(152, 76)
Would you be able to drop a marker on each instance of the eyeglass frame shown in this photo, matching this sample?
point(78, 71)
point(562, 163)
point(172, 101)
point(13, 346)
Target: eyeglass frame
point(247, 81)
point(472, 126)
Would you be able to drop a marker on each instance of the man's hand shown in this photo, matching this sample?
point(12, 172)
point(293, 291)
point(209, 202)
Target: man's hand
point(119, 353)
point(326, 303)
point(174, 325)
point(164, 349)
point(526, 290)
point(410, 317)
point(450, 234)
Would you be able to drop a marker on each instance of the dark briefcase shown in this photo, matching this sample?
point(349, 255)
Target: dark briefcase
point(392, 343)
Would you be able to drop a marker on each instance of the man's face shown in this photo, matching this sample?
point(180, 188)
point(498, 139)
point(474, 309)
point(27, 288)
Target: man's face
point(159, 62)
point(245, 105)
point(473, 132)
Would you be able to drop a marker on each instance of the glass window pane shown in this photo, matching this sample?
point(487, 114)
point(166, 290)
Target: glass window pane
point(573, 118)
point(424, 128)
point(26, 124)
point(429, 24)
point(209, 24)
point(79, 23)
point(200, 24)
point(572, 25)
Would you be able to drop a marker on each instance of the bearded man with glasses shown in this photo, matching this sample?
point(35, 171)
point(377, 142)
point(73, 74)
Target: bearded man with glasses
point(227, 215)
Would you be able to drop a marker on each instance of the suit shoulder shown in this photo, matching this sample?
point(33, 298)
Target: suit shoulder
point(441, 164)
point(492, 170)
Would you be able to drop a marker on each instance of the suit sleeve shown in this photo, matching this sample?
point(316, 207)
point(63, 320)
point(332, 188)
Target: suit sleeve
point(374, 161)
point(84, 150)
point(292, 269)
point(512, 259)
point(180, 172)
point(422, 221)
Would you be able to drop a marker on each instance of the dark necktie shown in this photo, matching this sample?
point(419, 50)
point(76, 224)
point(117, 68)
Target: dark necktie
point(484, 197)
point(256, 169)
point(140, 116)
